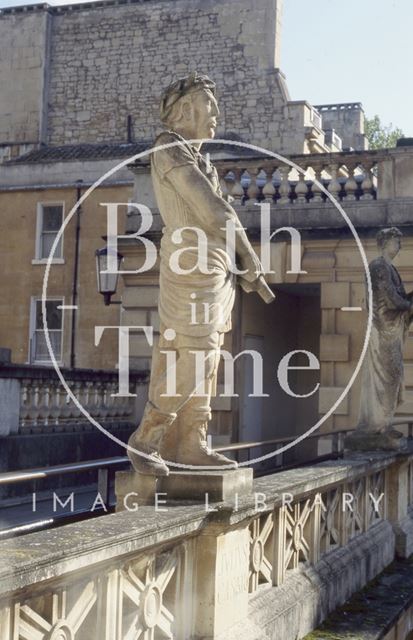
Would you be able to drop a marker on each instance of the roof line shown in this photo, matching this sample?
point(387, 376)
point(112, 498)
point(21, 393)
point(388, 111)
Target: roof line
point(65, 8)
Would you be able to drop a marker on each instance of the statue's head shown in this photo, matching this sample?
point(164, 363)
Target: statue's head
point(189, 106)
point(389, 241)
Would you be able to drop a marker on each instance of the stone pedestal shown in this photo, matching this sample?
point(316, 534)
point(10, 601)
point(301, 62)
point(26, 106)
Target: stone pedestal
point(199, 486)
point(369, 441)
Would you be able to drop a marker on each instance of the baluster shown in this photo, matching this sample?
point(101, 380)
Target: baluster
point(113, 409)
point(268, 190)
point(25, 403)
point(69, 411)
point(105, 408)
point(367, 184)
point(99, 399)
point(78, 392)
point(284, 189)
point(65, 408)
point(86, 395)
point(95, 409)
point(301, 189)
point(253, 188)
point(237, 191)
point(316, 191)
point(334, 187)
point(55, 404)
point(351, 185)
point(45, 407)
point(35, 413)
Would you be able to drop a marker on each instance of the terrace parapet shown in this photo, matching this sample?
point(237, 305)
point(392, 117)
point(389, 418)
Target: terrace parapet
point(274, 564)
point(33, 399)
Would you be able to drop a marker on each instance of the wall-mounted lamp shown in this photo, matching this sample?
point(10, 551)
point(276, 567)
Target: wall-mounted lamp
point(107, 281)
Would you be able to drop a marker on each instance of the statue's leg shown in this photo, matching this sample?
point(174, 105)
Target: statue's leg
point(155, 422)
point(195, 413)
point(176, 425)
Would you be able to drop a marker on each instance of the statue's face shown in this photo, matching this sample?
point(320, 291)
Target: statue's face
point(205, 112)
point(392, 247)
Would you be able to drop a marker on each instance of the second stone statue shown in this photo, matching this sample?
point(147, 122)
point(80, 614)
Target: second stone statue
point(382, 382)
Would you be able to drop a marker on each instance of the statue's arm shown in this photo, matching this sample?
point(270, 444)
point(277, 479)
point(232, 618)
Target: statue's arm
point(210, 209)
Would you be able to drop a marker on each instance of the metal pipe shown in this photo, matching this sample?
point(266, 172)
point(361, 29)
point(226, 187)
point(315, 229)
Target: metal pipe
point(75, 277)
point(259, 443)
point(130, 129)
point(14, 477)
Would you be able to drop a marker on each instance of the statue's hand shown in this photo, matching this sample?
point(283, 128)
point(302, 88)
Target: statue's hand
point(252, 264)
point(260, 286)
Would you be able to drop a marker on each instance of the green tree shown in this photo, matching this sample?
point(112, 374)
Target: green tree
point(381, 136)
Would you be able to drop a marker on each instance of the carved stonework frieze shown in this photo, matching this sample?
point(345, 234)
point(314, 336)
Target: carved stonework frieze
point(261, 551)
point(331, 521)
point(132, 601)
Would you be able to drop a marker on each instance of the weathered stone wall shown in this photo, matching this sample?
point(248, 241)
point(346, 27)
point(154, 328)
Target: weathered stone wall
point(109, 62)
point(75, 73)
point(23, 69)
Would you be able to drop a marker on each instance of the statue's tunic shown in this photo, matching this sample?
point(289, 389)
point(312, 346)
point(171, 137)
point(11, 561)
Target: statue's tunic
point(382, 376)
point(180, 208)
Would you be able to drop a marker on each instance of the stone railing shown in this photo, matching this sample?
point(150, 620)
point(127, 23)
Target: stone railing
point(345, 177)
point(339, 106)
point(348, 176)
point(271, 564)
point(37, 401)
point(11, 150)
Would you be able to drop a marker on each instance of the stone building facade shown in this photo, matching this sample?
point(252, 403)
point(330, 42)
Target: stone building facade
point(85, 94)
point(27, 190)
point(321, 310)
point(93, 73)
point(75, 75)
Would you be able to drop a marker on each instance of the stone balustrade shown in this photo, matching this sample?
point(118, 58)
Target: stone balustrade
point(37, 400)
point(10, 151)
point(359, 179)
point(271, 564)
point(347, 176)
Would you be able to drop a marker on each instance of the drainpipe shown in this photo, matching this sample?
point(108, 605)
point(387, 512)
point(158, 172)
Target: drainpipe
point(75, 276)
point(129, 127)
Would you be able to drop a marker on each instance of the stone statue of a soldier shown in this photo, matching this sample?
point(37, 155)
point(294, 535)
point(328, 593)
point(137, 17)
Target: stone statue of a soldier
point(188, 194)
point(382, 373)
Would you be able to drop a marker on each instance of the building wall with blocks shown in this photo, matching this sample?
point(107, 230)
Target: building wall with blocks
point(330, 302)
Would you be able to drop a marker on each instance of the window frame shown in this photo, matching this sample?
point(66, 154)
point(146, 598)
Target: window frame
point(39, 231)
point(32, 330)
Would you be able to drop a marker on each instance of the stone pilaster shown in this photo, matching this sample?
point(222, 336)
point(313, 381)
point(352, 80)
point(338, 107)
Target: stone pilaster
point(221, 583)
point(397, 504)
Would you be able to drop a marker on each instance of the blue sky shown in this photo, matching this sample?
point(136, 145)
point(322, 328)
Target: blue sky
point(351, 50)
point(346, 51)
